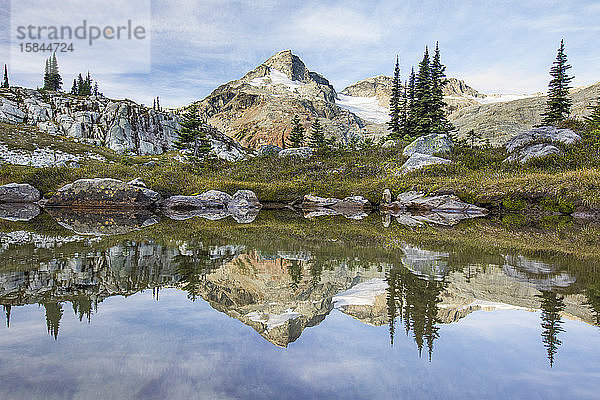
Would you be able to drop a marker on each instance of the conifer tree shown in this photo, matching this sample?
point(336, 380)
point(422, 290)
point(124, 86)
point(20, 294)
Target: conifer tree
point(423, 97)
point(317, 135)
point(558, 106)
point(5, 84)
point(297, 134)
point(52, 78)
point(395, 108)
point(440, 123)
point(192, 135)
point(551, 305)
point(404, 109)
point(95, 89)
point(74, 89)
point(411, 104)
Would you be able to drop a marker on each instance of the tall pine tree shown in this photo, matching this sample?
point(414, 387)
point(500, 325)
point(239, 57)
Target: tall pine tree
point(411, 104)
point(192, 136)
point(394, 125)
point(317, 135)
point(52, 78)
point(423, 97)
point(440, 123)
point(558, 106)
point(297, 135)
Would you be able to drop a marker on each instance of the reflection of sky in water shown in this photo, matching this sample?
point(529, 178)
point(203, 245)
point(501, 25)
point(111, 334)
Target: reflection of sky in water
point(173, 348)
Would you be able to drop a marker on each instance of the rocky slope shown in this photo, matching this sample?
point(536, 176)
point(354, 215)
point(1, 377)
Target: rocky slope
point(502, 120)
point(259, 106)
point(121, 125)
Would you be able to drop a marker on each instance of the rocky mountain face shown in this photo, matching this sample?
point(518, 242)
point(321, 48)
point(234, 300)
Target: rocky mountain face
point(259, 107)
point(121, 125)
point(501, 121)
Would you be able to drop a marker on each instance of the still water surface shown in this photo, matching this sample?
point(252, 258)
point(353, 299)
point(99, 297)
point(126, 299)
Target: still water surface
point(290, 308)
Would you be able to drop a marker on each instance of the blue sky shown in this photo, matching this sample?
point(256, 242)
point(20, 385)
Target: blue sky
point(495, 46)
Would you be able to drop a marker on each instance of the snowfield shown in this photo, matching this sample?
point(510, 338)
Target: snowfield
point(276, 78)
point(367, 108)
point(363, 294)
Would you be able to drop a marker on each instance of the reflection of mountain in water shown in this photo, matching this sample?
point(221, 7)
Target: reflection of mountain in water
point(281, 293)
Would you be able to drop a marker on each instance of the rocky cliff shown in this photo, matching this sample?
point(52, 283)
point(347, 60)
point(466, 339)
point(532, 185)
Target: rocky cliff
point(258, 108)
point(502, 120)
point(121, 125)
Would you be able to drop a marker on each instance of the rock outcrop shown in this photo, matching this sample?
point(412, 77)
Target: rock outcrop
point(18, 193)
point(103, 193)
point(259, 107)
point(429, 144)
point(538, 142)
point(501, 121)
point(302, 152)
point(120, 125)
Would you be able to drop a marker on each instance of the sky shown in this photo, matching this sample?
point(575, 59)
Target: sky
point(192, 47)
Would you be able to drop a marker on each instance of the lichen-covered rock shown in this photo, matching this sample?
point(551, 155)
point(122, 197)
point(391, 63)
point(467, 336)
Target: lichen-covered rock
point(538, 142)
point(418, 160)
point(103, 193)
point(316, 201)
point(243, 200)
point(545, 134)
point(100, 222)
point(302, 152)
point(429, 144)
point(137, 182)
point(18, 193)
point(212, 199)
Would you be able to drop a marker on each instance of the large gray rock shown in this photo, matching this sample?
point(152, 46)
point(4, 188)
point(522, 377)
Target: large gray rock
point(302, 152)
point(429, 144)
point(353, 207)
point(212, 199)
point(416, 201)
point(104, 193)
point(18, 193)
point(418, 160)
point(538, 143)
point(546, 134)
point(243, 200)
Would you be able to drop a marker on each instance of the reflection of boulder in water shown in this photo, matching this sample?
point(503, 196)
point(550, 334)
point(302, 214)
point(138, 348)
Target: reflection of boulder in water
point(19, 211)
point(426, 217)
point(350, 213)
point(539, 274)
point(102, 222)
point(213, 214)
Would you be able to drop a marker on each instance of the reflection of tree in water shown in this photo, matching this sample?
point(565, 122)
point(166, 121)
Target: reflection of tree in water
point(413, 301)
point(193, 268)
point(84, 306)
point(54, 313)
point(7, 311)
point(552, 305)
point(593, 300)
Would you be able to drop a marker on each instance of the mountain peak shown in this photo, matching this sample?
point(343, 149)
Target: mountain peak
point(290, 64)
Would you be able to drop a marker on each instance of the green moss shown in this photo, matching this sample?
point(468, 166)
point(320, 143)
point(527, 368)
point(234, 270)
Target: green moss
point(511, 203)
point(557, 205)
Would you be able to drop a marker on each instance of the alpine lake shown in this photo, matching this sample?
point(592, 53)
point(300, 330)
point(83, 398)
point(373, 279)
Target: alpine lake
point(132, 306)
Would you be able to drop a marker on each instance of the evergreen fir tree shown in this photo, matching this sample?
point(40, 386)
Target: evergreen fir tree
point(404, 110)
point(74, 87)
point(317, 135)
point(5, 84)
point(192, 136)
point(54, 313)
point(424, 103)
point(80, 85)
point(411, 104)
point(395, 108)
point(473, 137)
point(95, 92)
point(558, 106)
point(52, 78)
point(440, 123)
point(297, 135)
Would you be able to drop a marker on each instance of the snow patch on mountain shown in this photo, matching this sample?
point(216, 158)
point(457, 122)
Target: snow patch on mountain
point(276, 77)
point(273, 320)
point(367, 108)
